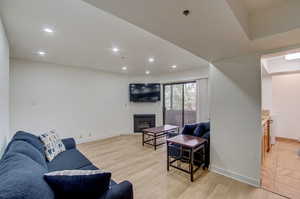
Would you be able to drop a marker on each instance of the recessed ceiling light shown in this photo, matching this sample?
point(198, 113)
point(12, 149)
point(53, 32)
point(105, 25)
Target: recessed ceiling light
point(292, 56)
point(147, 72)
point(151, 59)
point(124, 68)
point(115, 49)
point(186, 12)
point(41, 53)
point(174, 66)
point(48, 30)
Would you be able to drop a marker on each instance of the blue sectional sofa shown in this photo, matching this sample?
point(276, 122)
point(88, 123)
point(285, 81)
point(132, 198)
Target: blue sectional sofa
point(23, 165)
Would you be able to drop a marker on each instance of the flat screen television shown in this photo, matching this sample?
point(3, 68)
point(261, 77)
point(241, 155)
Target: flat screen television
point(144, 92)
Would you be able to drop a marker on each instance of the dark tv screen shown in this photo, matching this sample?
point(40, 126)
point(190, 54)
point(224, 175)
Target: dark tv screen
point(144, 92)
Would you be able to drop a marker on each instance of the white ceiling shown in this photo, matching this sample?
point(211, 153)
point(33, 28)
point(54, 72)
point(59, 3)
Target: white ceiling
point(84, 36)
point(277, 64)
point(211, 31)
point(215, 29)
point(253, 5)
point(85, 33)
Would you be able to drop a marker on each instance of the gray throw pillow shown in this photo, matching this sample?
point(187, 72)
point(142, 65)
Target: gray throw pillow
point(52, 144)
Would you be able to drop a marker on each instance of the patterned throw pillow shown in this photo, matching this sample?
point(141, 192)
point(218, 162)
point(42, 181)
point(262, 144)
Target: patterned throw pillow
point(78, 183)
point(52, 144)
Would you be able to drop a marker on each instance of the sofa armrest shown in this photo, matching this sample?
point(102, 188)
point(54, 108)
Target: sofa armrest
point(122, 190)
point(69, 143)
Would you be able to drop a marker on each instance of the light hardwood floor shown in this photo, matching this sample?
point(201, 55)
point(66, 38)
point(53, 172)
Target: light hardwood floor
point(281, 169)
point(125, 157)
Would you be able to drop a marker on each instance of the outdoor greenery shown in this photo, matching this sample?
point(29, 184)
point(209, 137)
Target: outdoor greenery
point(173, 96)
point(173, 103)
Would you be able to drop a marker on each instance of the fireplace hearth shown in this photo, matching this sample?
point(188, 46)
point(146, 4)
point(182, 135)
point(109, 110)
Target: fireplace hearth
point(143, 121)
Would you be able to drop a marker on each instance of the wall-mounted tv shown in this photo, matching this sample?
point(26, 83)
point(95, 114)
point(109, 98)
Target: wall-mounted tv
point(144, 92)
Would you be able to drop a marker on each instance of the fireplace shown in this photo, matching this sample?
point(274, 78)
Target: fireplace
point(143, 121)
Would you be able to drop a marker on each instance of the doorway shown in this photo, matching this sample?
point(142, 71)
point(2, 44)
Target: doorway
point(179, 103)
point(280, 169)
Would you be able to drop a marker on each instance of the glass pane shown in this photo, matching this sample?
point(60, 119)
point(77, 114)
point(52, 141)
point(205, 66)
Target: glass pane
point(168, 97)
point(173, 112)
point(190, 111)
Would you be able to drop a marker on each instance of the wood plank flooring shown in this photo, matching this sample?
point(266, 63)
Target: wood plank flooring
point(281, 169)
point(125, 157)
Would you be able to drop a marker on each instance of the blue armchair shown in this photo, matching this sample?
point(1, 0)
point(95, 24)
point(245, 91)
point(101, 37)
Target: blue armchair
point(200, 130)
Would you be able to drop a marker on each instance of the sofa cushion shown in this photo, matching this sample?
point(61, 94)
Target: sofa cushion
point(68, 160)
point(78, 183)
point(53, 144)
point(21, 177)
point(29, 150)
point(93, 167)
point(88, 167)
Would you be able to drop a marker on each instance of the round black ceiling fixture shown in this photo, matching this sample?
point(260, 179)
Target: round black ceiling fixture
point(186, 12)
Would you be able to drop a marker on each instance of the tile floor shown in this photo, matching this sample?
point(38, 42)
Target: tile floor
point(281, 169)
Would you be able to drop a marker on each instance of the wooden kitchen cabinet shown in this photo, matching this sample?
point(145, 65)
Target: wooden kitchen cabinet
point(266, 139)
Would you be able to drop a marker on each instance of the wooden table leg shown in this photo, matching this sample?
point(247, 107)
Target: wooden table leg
point(192, 164)
point(143, 137)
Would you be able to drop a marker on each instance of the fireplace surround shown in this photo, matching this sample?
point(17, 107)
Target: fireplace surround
point(143, 121)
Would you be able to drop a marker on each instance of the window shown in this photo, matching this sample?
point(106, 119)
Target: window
point(179, 103)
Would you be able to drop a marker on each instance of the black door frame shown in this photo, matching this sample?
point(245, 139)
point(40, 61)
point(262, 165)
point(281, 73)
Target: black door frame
point(164, 103)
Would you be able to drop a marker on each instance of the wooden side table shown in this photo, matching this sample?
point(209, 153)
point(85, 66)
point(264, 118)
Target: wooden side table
point(191, 144)
point(156, 133)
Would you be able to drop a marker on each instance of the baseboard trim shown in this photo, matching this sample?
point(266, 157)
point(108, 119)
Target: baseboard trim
point(286, 139)
point(235, 176)
point(93, 139)
point(96, 138)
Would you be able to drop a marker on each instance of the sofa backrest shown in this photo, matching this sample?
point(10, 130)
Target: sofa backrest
point(28, 145)
point(30, 138)
point(22, 147)
point(201, 128)
point(188, 129)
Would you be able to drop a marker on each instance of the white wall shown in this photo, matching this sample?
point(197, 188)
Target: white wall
point(75, 102)
point(266, 85)
point(4, 89)
point(236, 118)
point(286, 105)
point(156, 108)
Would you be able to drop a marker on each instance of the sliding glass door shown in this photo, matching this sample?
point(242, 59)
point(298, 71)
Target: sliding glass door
point(179, 103)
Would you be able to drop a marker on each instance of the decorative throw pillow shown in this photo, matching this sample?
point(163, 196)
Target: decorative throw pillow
point(200, 130)
point(78, 183)
point(52, 144)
